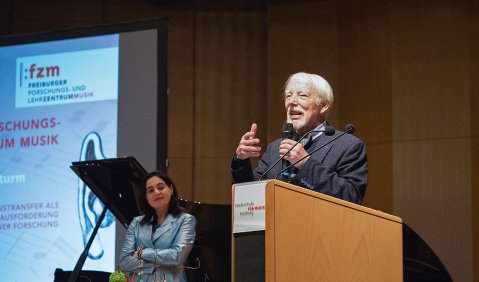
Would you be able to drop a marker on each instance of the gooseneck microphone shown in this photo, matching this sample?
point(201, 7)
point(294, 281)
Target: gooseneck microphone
point(328, 130)
point(350, 128)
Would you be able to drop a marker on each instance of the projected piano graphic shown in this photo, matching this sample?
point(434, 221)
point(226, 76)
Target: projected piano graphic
point(117, 182)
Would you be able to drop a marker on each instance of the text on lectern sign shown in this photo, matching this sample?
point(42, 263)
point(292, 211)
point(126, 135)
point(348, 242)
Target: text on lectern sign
point(249, 207)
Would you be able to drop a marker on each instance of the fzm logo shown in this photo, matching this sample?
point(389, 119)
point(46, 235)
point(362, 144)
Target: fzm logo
point(37, 72)
point(65, 78)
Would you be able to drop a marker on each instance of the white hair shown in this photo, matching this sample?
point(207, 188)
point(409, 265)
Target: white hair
point(315, 84)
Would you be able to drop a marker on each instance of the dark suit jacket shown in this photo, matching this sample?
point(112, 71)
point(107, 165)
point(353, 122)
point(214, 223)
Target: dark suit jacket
point(340, 169)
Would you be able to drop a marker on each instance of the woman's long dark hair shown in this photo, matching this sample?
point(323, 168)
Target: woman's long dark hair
point(150, 213)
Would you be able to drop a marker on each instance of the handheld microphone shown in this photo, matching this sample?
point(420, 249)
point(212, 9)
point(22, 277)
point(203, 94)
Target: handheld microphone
point(350, 128)
point(328, 130)
point(287, 131)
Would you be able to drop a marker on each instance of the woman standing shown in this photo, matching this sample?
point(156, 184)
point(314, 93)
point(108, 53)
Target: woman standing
point(157, 243)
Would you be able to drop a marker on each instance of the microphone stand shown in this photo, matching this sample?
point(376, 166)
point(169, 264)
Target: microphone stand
point(84, 254)
point(349, 129)
point(81, 260)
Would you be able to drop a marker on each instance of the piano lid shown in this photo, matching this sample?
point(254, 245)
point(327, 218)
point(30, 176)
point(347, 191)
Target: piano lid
point(117, 182)
point(420, 261)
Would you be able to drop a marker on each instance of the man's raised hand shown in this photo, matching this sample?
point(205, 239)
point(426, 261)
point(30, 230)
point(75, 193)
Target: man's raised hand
point(248, 146)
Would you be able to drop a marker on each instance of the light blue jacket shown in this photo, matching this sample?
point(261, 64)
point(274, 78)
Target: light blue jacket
point(168, 247)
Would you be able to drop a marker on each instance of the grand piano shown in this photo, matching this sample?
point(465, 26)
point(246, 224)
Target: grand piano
point(117, 183)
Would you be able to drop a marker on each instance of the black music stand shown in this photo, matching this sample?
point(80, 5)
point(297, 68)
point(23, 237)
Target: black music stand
point(116, 182)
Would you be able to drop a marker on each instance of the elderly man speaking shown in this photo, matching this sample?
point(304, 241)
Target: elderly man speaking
point(337, 168)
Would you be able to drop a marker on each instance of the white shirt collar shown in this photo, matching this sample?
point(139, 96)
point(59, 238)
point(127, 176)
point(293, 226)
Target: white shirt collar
point(316, 134)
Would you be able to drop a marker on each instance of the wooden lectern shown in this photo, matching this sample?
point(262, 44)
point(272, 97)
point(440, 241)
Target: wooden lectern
point(310, 236)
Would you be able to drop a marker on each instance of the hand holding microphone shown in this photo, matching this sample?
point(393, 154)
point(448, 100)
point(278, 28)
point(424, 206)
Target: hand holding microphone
point(291, 144)
point(293, 151)
point(248, 146)
point(350, 128)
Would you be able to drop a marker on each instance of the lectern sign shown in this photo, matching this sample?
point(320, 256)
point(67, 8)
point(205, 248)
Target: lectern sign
point(249, 207)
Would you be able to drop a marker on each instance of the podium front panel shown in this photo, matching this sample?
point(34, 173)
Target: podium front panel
point(249, 250)
point(314, 237)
